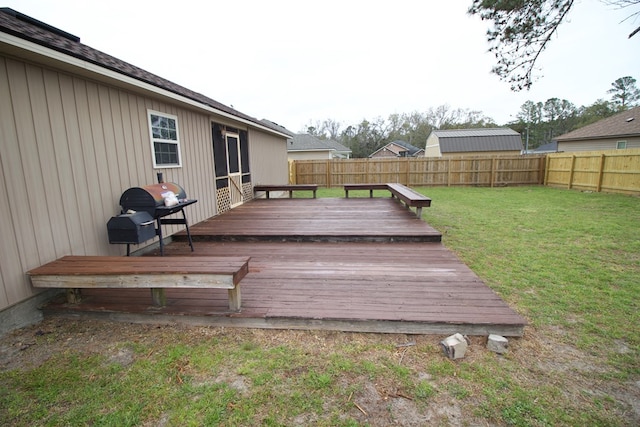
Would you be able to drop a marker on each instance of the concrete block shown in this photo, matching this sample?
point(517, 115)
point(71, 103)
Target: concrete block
point(497, 344)
point(455, 346)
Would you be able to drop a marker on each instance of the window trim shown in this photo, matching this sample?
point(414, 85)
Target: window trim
point(621, 145)
point(153, 140)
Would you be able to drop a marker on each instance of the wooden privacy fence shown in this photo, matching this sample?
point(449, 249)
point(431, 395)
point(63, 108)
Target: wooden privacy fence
point(616, 171)
point(416, 172)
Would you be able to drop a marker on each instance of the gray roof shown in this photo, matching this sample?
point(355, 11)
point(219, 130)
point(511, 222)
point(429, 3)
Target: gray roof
point(551, 147)
point(306, 142)
point(622, 124)
point(480, 139)
point(27, 28)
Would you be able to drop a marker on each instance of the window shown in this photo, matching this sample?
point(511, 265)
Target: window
point(621, 145)
point(165, 143)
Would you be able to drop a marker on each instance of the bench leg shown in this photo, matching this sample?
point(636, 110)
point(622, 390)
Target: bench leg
point(159, 297)
point(73, 296)
point(235, 298)
point(419, 212)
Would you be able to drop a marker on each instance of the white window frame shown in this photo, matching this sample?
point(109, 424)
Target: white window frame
point(621, 145)
point(153, 139)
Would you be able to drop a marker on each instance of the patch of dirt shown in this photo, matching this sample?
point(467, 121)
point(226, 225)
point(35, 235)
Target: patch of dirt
point(541, 358)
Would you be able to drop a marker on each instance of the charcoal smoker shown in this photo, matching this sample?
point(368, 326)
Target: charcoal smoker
point(141, 207)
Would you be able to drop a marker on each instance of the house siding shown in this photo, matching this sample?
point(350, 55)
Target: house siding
point(265, 151)
point(310, 155)
point(70, 146)
point(597, 144)
point(384, 153)
point(432, 148)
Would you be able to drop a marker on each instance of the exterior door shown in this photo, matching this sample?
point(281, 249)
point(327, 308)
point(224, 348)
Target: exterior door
point(231, 161)
point(234, 166)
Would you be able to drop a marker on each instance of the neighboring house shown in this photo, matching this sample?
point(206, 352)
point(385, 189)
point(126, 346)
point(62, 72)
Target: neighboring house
point(398, 148)
point(473, 142)
point(309, 147)
point(616, 132)
point(78, 127)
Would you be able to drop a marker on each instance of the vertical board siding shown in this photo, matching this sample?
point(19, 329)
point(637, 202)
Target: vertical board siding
point(69, 148)
point(8, 248)
point(264, 152)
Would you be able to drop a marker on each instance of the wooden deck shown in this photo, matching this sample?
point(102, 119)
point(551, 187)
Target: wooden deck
point(315, 278)
point(333, 220)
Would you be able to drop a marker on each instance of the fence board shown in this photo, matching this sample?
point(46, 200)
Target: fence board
point(614, 171)
point(416, 172)
point(610, 171)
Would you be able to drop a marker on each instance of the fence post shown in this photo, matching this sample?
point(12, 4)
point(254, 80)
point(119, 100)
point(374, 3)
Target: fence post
point(449, 172)
point(493, 171)
point(600, 173)
point(328, 179)
point(573, 163)
point(406, 173)
point(546, 170)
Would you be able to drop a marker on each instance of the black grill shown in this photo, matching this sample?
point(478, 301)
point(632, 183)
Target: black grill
point(156, 201)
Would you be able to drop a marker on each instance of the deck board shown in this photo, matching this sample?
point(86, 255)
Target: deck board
point(355, 219)
point(362, 285)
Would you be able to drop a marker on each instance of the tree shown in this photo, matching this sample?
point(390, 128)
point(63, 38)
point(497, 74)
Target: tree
point(624, 92)
point(599, 110)
point(521, 31)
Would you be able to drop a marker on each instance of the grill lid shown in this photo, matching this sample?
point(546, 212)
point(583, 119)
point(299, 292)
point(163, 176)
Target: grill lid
point(149, 197)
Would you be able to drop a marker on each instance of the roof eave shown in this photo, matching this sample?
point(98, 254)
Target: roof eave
point(588, 138)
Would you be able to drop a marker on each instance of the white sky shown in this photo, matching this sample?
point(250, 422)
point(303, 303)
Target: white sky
point(298, 62)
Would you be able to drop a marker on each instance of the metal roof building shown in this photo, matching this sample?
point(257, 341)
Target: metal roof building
point(473, 142)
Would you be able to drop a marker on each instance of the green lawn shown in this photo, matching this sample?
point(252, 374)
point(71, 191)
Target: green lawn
point(562, 258)
point(568, 261)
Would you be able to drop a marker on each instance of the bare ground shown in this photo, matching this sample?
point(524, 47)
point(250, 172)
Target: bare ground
point(544, 358)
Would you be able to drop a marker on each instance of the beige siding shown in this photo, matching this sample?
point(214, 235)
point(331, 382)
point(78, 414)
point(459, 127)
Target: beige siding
point(70, 146)
point(268, 157)
point(432, 148)
point(309, 155)
point(384, 154)
point(597, 144)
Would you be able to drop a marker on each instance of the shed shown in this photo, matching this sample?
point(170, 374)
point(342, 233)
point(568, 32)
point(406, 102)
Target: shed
point(617, 132)
point(79, 126)
point(473, 142)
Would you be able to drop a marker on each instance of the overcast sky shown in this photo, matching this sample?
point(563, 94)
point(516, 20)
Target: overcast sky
point(299, 62)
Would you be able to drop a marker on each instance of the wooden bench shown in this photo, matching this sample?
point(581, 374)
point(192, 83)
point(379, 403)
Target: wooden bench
point(411, 198)
point(156, 273)
point(370, 187)
point(287, 187)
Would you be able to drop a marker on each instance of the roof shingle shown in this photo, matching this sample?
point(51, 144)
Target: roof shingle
point(622, 124)
point(30, 29)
